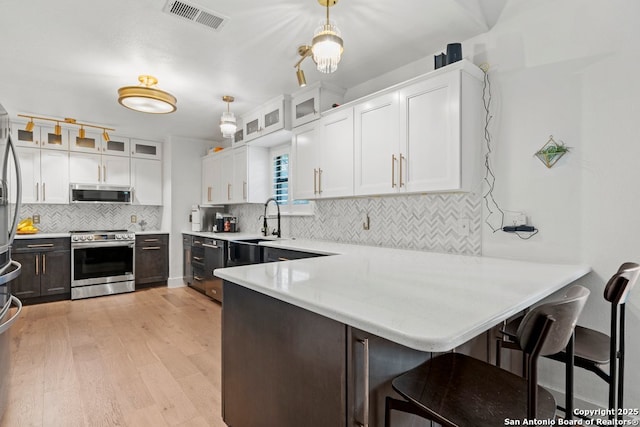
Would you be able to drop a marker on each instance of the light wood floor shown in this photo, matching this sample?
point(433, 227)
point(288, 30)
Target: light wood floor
point(149, 358)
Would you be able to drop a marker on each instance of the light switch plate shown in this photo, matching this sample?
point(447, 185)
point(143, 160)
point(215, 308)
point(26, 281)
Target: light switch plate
point(36, 219)
point(134, 219)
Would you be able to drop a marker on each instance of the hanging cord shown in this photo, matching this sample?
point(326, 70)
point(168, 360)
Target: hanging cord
point(489, 177)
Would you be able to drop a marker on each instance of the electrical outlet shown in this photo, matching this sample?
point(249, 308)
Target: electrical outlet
point(365, 222)
point(134, 219)
point(36, 219)
point(515, 218)
point(463, 226)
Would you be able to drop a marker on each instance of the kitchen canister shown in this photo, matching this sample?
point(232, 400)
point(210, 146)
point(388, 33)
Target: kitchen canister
point(454, 52)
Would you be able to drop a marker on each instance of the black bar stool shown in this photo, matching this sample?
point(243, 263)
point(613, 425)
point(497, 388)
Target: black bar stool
point(591, 349)
point(456, 390)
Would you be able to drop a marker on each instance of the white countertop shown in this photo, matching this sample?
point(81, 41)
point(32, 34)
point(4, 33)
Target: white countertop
point(42, 235)
point(143, 233)
point(228, 236)
point(423, 300)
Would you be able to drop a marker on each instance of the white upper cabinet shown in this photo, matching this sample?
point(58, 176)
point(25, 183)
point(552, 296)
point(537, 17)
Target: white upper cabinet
point(322, 163)
point(85, 168)
point(42, 136)
point(422, 136)
point(90, 143)
point(44, 176)
point(146, 149)
point(304, 162)
point(309, 102)
point(268, 124)
point(211, 178)
point(146, 180)
point(116, 146)
point(376, 145)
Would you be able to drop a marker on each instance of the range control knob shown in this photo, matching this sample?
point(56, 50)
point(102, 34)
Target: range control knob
point(75, 238)
point(131, 236)
point(89, 238)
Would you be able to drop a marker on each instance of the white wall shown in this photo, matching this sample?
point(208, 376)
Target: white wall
point(182, 181)
point(567, 68)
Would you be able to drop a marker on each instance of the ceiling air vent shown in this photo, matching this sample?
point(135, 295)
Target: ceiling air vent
point(194, 13)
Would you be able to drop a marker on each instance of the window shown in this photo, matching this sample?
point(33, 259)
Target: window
point(281, 184)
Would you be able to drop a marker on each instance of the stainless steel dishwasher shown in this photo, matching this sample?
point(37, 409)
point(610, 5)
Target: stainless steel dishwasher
point(244, 252)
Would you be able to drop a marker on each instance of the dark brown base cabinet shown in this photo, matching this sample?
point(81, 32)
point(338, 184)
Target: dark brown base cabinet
point(152, 260)
point(285, 366)
point(46, 269)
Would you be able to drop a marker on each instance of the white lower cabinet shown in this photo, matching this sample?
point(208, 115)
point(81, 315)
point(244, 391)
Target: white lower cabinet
point(44, 176)
point(322, 163)
point(85, 168)
point(146, 180)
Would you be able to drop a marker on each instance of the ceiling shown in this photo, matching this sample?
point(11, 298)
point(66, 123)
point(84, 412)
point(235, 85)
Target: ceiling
point(67, 58)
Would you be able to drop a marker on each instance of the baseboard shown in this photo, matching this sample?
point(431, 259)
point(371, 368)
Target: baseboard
point(175, 282)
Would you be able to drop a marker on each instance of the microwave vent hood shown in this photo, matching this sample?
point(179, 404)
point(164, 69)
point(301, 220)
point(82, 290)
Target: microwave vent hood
point(88, 193)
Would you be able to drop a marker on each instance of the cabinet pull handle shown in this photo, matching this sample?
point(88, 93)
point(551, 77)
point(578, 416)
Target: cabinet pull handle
point(197, 258)
point(44, 263)
point(41, 245)
point(151, 248)
point(319, 181)
point(283, 259)
point(393, 171)
point(315, 181)
point(98, 173)
point(210, 246)
point(365, 402)
point(150, 240)
point(197, 242)
point(228, 191)
point(199, 279)
point(244, 190)
point(37, 265)
point(44, 192)
point(401, 159)
point(37, 191)
point(104, 173)
point(209, 194)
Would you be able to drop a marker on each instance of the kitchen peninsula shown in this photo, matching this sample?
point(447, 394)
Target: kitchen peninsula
point(316, 341)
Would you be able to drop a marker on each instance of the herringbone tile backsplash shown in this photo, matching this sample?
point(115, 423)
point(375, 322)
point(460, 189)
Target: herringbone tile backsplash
point(64, 218)
point(421, 222)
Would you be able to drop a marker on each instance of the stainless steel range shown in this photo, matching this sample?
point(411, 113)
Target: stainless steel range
point(102, 263)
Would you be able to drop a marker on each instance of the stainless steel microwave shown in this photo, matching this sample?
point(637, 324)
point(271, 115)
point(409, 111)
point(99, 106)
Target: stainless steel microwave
point(86, 193)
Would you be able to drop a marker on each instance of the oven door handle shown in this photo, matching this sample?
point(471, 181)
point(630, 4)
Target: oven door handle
point(102, 245)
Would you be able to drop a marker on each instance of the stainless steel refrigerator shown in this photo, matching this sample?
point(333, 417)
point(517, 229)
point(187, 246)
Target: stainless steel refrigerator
point(9, 269)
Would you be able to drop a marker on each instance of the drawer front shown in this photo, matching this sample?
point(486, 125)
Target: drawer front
point(187, 240)
point(199, 279)
point(274, 254)
point(152, 240)
point(213, 289)
point(41, 245)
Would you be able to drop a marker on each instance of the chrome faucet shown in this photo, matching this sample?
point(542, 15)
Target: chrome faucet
point(265, 227)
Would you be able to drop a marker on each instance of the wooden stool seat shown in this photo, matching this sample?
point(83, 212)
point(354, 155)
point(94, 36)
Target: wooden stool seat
point(454, 389)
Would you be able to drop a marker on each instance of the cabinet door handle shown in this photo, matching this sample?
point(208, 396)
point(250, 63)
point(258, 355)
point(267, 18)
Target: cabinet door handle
point(44, 263)
point(208, 194)
point(37, 191)
point(393, 171)
point(210, 246)
point(44, 192)
point(41, 245)
point(365, 372)
point(315, 181)
point(151, 248)
point(244, 190)
point(197, 242)
point(319, 181)
point(37, 265)
point(150, 240)
point(197, 258)
point(401, 159)
point(104, 173)
point(283, 259)
point(199, 279)
point(98, 173)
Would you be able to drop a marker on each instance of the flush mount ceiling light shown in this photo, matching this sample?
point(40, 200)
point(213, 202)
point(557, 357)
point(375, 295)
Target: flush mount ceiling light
point(326, 47)
point(228, 120)
point(147, 98)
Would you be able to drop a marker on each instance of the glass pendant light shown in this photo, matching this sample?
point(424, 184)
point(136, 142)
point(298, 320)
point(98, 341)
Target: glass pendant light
point(327, 45)
point(228, 125)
